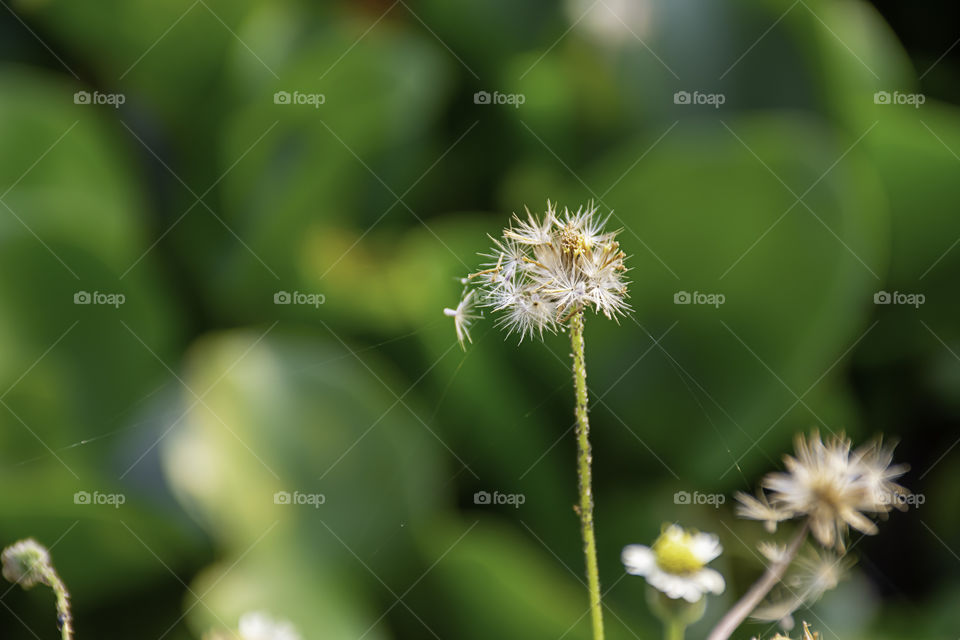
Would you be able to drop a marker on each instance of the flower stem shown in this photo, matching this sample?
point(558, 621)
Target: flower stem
point(774, 574)
point(64, 618)
point(584, 459)
point(674, 630)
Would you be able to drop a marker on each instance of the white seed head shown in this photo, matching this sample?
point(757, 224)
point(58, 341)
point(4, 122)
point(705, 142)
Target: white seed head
point(830, 485)
point(544, 269)
point(772, 551)
point(26, 563)
point(813, 572)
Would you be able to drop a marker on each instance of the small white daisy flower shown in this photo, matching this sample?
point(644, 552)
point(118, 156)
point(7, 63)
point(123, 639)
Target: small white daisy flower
point(259, 626)
point(676, 563)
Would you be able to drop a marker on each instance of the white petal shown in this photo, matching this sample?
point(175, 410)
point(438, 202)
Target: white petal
point(710, 580)
point(706, 547)
point(638, 559)
point(692, 593)
point(681, 587)
point(668, 583)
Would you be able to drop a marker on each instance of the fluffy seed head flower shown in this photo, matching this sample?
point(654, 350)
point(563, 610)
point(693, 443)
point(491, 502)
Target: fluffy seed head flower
point(772, 551)
point(676, 563)
point(813, 572)
point(818, 571)
point(26, 563)
point(544, 269)
point(830, 485)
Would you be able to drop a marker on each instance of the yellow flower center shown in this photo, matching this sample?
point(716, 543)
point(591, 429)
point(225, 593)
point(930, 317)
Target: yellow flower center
point(572, 241)
point(673, 551)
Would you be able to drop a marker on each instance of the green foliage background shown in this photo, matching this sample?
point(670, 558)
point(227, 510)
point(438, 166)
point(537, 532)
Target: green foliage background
point(199, 198)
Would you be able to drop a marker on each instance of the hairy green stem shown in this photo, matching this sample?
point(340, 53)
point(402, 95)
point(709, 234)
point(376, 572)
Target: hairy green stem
point(64, 618)
point(774, 574)
point(584, 459)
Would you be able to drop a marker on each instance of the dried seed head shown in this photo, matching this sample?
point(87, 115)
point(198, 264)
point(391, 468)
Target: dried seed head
point(544, 269)
point(830, 485)
point(26, 563)
point(813, 572)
